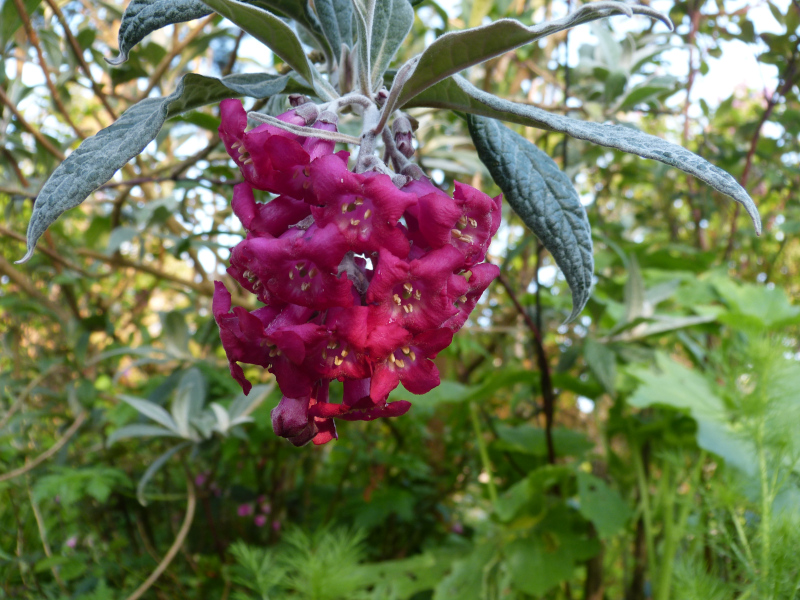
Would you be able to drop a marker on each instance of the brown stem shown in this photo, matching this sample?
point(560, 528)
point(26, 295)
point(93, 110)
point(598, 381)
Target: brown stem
point(548, 393)
point(34, 39)
point(782, 88)
point(47, 453)
point(162, 67)
point(697, 214)
point(228, 68)
point(78, 51)
point(45, 143)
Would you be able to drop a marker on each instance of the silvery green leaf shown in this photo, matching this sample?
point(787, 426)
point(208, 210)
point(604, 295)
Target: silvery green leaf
point(362, 16)
point(154, 468)
point(457, 93)
point(142, 17)
point(175, 333)
point(223, 420)
point(455, 51)
point(138, 430)
point(543, 196)
point(244, 405)
point(603, 363)
point(151, 411)
point(391, 23)
point(634, 292)
point(188, 402)
point(97, 158)
point(268, 29)
point(336, 20)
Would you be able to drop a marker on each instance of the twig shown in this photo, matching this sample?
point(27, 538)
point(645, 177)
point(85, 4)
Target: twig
point(34, 39)
point(24, 395)
point(29, 128)
point(49, 452)
point(228, 68)
point(78, 51)
point(162, 67)
point(206, 290)
point(43, 536)
point(304, 131)
point(176, 545)
point(27, 286)
point(548, 394)
point(772, 101)
point(51, 253)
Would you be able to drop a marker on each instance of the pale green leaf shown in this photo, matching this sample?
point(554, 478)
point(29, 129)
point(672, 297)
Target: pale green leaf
point(458, 94)
point(151, 411)
point(154, 467)
point(455, 51)
point(138, 430)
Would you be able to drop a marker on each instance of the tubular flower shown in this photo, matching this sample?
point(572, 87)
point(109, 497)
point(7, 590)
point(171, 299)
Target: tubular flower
point(362, 282)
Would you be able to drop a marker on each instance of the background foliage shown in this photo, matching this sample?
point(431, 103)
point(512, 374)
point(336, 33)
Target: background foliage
point(647, 450)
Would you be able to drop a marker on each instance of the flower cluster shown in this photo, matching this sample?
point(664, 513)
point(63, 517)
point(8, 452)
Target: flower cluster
point(362, 281)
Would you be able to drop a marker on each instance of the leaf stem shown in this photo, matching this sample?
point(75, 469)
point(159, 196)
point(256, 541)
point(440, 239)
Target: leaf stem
point(487, 465)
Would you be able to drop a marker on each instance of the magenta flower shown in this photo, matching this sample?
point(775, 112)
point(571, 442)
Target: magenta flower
point(245, 510)
point(260, 520)
point(362, 282)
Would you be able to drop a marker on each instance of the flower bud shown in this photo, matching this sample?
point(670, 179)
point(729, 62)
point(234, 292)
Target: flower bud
point(403, 135)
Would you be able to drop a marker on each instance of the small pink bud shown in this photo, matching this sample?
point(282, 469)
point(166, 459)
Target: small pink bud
point(245, 510)
point(260, 520)
point(276, 525)
point(72, 541)
point(266, 508)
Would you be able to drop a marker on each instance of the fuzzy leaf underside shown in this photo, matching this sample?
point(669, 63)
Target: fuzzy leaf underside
point(336, 20)
point(391, 23)
point(456, 93)
point(268, 29)
point(455, 51)
point(96, 160)
point(142, 17)
point(543, 196)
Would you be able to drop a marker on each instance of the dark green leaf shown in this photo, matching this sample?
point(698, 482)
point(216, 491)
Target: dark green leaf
point(10, 20)
point(543, 196)
point(458, 94)
point(99, 157)
point(142, 17)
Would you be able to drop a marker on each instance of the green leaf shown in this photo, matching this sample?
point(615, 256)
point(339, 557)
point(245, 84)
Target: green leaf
point(151, 411)
point(455, 51)
point(458, 94)
point(543, 196)
point(603, 506)
point(465, 582)
point(138, 430)
point(269, 30)
point(542, 559)
point(603, 363)
point(531, 440)
point(391, 23)
point(336, 20)
point(175, 333)
point(677, 386)
point(154, 468)
point(189, 400)
point(100, 156)
point(142, 17)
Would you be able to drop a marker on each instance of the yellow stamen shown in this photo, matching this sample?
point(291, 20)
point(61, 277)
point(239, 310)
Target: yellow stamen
point(406, 349)
point(400, 363)
point(417, 294)
point(368, 214)
point(358, 201)
point(354, 222)
point(397, 300)
point(473, 222)
point(345, 353)
point(412, 355)
point(305, 286)
point(337, 361)
point(408, 287)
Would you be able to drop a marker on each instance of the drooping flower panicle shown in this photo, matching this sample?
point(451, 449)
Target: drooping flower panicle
point(362, 282)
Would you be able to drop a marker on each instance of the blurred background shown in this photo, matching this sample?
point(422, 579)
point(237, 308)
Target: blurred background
point(648, 449)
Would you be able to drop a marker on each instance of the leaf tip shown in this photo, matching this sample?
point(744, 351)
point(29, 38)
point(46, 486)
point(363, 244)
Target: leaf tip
point(115, 62)
point(27, 256)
